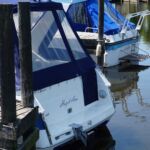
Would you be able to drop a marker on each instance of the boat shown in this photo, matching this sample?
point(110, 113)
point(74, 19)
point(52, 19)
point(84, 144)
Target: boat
point(70, 90)
point(120, 35)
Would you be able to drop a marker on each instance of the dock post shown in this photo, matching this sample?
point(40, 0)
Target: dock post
point(100, 46)
point(7, 74)
point(26, 59)
point(17, 122)
point(25, 53)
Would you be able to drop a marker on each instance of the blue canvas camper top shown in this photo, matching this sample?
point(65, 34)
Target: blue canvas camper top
point(61, 61)
point(113, 20)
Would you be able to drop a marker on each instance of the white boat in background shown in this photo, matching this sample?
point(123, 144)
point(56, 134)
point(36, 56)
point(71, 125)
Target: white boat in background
point(71, 91)
point(120, 35)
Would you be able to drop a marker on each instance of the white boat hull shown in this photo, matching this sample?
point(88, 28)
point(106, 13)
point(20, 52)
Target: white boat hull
point(56, 111)
point(115, 52)
point(116, 46)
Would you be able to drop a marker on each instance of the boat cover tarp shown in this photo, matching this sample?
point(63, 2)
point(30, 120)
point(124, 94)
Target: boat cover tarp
point(113, 20)
point(110, 26)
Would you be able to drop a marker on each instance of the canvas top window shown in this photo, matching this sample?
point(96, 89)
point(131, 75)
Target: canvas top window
point(48, 46)
point(74, 44)
point(47, 43)
point(78, 13)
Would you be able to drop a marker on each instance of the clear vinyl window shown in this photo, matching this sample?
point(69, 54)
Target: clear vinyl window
point(76, 48)
point(48, 48)
point(77, 13)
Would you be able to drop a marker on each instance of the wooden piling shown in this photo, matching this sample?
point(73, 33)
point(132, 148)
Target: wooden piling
point(101, 20)
point(25, 53)
point(17, 121)
point(7, 75)
point(100, 46)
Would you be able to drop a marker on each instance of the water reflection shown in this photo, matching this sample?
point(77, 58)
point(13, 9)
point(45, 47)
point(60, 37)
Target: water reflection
point(124, 84)
point(130, 126)
point(101, 139)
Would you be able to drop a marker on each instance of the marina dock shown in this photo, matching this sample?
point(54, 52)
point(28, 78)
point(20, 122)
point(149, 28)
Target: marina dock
point(21, 133)
point(17, 119)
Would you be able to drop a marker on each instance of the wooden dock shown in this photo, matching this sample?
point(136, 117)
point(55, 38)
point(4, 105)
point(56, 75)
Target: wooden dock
point(21, 134)
point(17, 118)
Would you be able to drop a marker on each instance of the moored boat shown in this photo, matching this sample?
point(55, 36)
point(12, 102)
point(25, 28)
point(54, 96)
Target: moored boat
point(120, 35)
point(71, 91)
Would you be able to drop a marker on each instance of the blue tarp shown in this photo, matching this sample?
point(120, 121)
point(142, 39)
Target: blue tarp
point(113, 20)
point(110, 27)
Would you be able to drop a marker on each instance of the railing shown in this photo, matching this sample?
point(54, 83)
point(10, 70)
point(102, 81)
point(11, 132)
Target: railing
point(142, 15)
point(90, 28)
point(140, 57)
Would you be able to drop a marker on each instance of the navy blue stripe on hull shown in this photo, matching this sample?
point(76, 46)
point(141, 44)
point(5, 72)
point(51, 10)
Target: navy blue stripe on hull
point(90, 87)
point(116, 45)
point(53, 75)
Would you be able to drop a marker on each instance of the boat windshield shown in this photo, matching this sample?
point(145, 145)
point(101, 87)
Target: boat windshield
point(48, 48)
point(72, 40)
point(78, 14)
point(47, 43)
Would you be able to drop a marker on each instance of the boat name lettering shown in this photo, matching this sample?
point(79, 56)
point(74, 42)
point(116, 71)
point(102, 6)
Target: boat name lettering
point(65, 102)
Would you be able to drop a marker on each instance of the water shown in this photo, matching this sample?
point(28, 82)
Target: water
point(129, 128)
